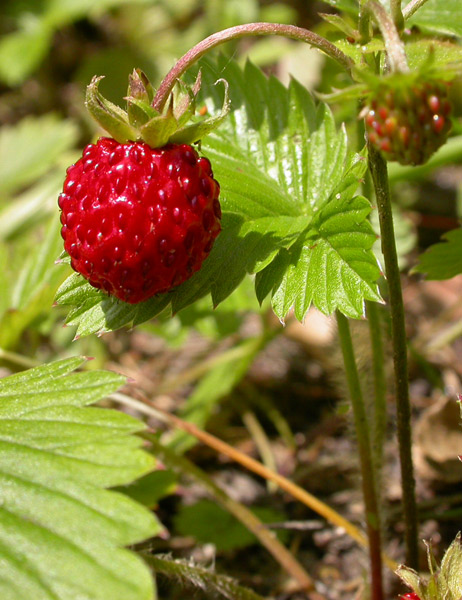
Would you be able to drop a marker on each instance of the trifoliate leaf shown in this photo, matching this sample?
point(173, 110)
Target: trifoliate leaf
point(61, 532)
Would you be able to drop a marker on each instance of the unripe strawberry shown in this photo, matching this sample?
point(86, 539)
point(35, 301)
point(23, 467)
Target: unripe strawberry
point(139, 221)
point(408, 117)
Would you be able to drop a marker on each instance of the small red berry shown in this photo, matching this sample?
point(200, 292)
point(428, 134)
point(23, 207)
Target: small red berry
point(410, 596)
point(138, 221)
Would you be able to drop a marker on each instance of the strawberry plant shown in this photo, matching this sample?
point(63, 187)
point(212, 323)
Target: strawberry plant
point(222, 186)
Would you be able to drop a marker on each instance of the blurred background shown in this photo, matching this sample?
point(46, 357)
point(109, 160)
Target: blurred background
point(276, 393)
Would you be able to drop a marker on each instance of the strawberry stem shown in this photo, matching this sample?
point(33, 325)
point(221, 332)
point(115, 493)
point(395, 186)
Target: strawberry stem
point(412, 7)
point(378, 169)
point(239, 31)
point(397, 14)
point(393, 43)
point(365, 456)
point(364, 23)
point(380, 389)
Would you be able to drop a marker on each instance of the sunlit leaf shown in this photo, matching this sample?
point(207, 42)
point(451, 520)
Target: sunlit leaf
point(61, 532)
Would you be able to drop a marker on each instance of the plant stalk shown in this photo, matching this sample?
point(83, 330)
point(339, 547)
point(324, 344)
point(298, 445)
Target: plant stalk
point(397, 14)
point(393, 44)
point(233, 33)
point(412, 7)
point(365, 457)
point(364, 23)
point(378, 169)
point(380, 389)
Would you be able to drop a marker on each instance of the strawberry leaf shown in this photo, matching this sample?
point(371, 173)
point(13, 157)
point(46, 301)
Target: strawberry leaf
point(61, 532)
point(443, 260)
point(439, 16)
point(289, 212)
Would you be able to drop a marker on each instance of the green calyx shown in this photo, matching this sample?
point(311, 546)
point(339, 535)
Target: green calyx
point(176, 123)
point(443, 583)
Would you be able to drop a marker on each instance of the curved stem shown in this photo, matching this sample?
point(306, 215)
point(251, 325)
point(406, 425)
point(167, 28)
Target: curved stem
point(239, 31)
point(393, 43)
point(365, 456)
point(378, 168)
point(412, 7)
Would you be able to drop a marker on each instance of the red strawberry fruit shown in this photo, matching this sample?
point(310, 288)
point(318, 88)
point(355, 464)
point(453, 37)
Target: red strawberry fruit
point(138, 221)
point(410, 596)
point(140, 211)
point(408, 117)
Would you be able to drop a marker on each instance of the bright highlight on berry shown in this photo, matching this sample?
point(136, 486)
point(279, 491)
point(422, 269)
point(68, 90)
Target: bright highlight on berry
point(408, 118)
point(138, 221)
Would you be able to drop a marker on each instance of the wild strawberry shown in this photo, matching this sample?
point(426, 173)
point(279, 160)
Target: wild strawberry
point(140, 211)
point(410, 596)
point(408, 117)
point(138, 221)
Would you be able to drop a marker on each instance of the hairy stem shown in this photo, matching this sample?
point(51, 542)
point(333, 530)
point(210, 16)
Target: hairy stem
point(364, 23)
point(378, 168)
point(397, 14)
point(380, 388)
point(233, 33)
point(393, 43)
point(365, 456)
point(413, 7)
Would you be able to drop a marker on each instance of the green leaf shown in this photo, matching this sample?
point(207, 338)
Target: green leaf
point(332, 267)
point(38, 271)
point(61, 532)
point(151, 488)
point(30, 148)
point(437, 53)
point(451, 570)
point(280, 162)
point(30, 207)
point(22, 51)
point(443, 260)
point(33, 289)
point(209, 523)
point(440, 16)
point(349, 6)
